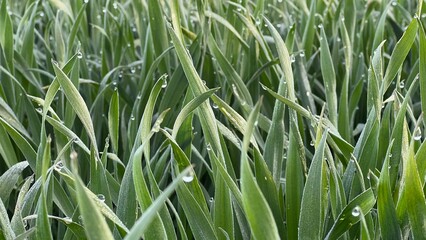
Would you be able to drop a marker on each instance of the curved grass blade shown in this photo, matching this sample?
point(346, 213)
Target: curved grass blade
point(351, 214)
point(190, 107)
point(78, 104)
point(142, 224)
point(9, 179)
point(399, 54)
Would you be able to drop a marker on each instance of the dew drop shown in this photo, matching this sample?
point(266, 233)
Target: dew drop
point(58, 166)
point(302, 54)
point(139, 97)
point(39, 110)
point(79, 55)
point(67, 220)
point(257, 21)
point(390, 155)
point(292, 58)
point(164, 85)
point(188, 177)
point(208, 147)
point(211, 199)
point(86, 1)
point(356, 211)
point(132, 70)
point(320, 26)
point(104, 10)
point(101, 197)
point(401, 84)
point(132, 118)
point(312, 143)
point(115, 5)
point(73, 155)
point(54, 62)
point(417, 134)
point(394, 3)
point(256, 123)
point(215, 106)
point(42, 14)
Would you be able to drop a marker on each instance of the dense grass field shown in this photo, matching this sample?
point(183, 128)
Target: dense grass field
point(212, 119)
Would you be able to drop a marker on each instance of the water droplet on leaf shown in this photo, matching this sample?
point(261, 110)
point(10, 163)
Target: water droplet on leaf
point(188, 177)
point(356, 211)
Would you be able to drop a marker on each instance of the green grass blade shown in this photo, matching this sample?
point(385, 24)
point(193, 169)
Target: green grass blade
point(412, 199)
point(10, 178)
point(256, 207)
point(7, 231)
point(329, 78)
point(94, 223)
point(114, 120)
point(78, 104)
point(142, 224)
point(190, 107)
point(311, 213)
point(399, 54)
point(422, 69)
point(351, 214)
point(389, 226)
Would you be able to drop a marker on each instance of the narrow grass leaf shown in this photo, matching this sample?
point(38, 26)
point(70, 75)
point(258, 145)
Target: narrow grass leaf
point(95, 225)
point(387, 217)
point(114, 120)
point(77, 102)
point(311, 213)
point(329, 78)
point(6, 227)
point(142, 224)
point(399, 54)
point(258, 213)
point(351, 214)
point(10, 178)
